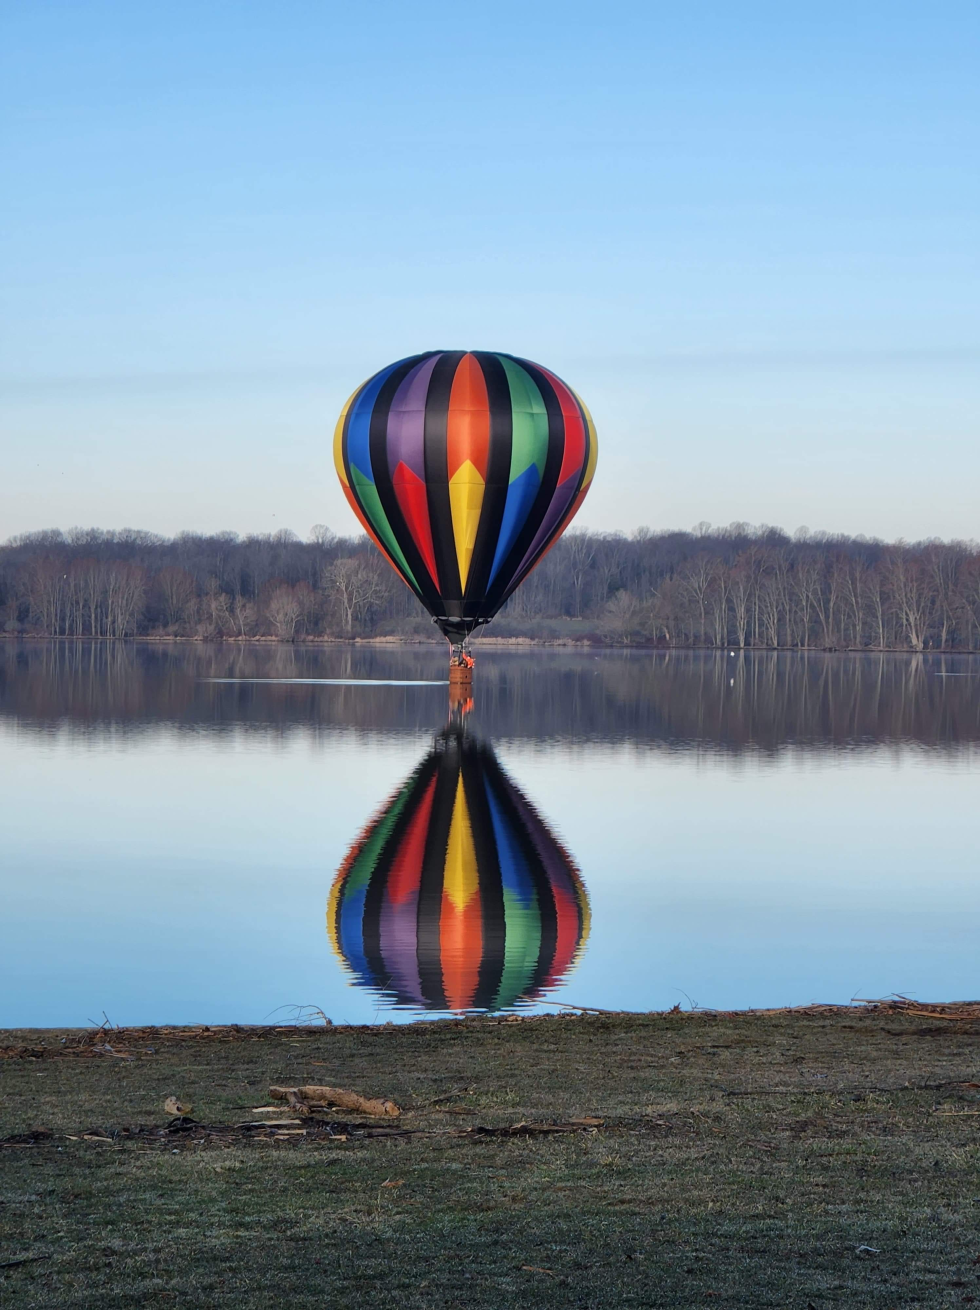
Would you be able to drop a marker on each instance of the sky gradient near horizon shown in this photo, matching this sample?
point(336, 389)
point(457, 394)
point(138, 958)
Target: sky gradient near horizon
point(747, 235)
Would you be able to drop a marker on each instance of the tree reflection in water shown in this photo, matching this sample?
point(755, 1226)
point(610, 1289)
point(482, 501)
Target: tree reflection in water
point(457, 896)
point(674, 700)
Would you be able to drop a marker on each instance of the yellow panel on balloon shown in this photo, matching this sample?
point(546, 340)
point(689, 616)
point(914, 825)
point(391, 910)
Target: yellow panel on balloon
point(462, 879)
point(466, 489)
point(338, 442)
point(593, 445)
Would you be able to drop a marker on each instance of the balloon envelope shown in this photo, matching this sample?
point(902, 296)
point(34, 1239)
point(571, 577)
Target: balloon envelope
point(463, 468)
point(457, 896)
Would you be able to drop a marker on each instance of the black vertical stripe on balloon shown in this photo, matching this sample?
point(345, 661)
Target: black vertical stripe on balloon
point(477, 763)
point(437, 484)
point(549, 918)
point(426, 590)
point(495, 490)
point(504, 583)
point(559, 527)
point(351, 485)
point(377, 888)
point(568, 881)
point(428, 935)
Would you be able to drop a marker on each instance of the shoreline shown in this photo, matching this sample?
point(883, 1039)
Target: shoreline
point(484, 642)
point(956, 1011)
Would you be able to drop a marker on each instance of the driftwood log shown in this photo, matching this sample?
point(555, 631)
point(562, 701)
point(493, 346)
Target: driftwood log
point(305, 1098)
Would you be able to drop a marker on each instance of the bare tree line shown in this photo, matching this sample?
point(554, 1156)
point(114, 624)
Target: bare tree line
point(89, 583)
point(743, 588)
point(737, 587)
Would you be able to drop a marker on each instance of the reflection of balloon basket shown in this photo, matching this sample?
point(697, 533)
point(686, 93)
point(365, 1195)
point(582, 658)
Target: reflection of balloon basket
point(460, 702)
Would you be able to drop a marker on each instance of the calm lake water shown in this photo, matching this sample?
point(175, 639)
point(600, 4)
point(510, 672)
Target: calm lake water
point(221, 833)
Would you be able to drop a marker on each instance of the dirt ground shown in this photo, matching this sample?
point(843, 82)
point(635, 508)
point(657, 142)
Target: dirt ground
point(793, 1159)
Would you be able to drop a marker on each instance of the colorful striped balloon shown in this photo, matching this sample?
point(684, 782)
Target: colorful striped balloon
point(456, 896)
point(464, 468)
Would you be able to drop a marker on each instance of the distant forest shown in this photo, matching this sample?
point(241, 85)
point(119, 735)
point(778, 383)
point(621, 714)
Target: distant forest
point(737, 586)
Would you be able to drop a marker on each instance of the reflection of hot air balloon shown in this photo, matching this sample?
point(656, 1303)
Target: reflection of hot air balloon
point(456, 895)
point(464, 468)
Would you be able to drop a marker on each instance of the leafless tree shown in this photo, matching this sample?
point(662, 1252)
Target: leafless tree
point(283, 609)
point(245, 615)
point(125, 593)
point(740, 590)
point(913, 600)
point(699, 577)
point(356, 587)
point(177, 592)
point(621, 617)
point(578, 550)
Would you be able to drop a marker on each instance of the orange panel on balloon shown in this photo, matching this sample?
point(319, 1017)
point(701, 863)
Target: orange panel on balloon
point(461, 948)
point(468, 423)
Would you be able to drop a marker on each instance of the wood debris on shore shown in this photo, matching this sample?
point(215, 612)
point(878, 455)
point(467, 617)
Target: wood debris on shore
point(186, 1129)
point(304, 1099)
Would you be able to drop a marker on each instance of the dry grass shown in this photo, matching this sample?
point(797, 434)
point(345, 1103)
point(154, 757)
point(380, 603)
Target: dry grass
point(745, 1161)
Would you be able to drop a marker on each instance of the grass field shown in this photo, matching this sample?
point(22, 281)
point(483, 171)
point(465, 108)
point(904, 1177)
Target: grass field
point(794, 1159)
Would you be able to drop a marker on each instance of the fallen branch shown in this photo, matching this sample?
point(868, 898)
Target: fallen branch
point(528, 1129)
point(951, 1010)
point(587, 1009)
point(268, 1123)
point(34, 1138)
point(311, 1096)
point(313, 1130)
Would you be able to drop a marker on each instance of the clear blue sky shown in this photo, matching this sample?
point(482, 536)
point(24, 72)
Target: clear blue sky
point(747, 233)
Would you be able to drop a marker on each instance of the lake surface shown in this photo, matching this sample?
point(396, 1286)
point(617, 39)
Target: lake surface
point(221, 833)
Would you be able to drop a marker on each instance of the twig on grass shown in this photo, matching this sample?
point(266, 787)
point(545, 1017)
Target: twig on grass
point(24, 1260)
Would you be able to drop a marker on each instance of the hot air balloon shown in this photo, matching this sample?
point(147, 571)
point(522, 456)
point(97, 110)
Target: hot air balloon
point(457, 896)
point(463, 468)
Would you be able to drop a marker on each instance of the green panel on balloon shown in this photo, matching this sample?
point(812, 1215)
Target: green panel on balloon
point(367, 494)
point(530, 418)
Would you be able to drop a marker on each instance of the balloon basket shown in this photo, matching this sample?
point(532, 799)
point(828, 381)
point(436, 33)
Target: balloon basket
point(460, 679)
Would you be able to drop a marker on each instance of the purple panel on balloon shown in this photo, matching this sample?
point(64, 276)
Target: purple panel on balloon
point(399, 933)
point(406, 420)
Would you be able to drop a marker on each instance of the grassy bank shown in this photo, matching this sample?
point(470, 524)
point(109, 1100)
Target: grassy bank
point(822, 1158)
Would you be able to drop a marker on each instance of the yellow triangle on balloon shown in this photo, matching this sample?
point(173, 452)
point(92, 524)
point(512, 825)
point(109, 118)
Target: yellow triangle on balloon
point(462, 879)
point(466, 488)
